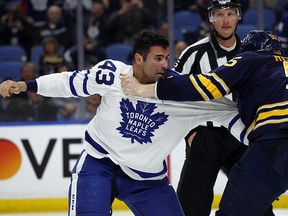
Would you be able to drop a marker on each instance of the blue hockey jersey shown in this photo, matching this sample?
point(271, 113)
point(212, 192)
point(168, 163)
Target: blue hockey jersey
point(260, 81)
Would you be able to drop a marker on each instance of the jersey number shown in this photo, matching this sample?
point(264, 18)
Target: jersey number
point(232, 62)
point(106, 73)
point(286, 71)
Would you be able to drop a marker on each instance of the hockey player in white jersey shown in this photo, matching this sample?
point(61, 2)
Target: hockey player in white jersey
point(128, 140)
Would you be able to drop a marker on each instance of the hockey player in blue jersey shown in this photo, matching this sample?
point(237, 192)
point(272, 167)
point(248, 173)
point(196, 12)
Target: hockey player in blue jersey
point(259, 76)
point(127, 142)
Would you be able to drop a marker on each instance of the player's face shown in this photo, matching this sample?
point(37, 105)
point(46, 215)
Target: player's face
point(225, 21)
point(154, 68)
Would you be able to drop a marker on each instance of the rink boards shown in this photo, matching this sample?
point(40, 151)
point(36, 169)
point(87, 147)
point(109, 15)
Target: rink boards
point(36, 164)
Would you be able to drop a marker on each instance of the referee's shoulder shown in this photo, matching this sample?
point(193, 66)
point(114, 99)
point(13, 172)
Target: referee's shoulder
point(198, 45)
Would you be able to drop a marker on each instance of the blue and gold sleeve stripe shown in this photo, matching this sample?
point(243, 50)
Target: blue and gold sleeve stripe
point(198, 88)
point(275, 113)
point(210, 86)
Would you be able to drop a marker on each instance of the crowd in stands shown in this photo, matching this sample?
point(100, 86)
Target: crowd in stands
point(50, 26)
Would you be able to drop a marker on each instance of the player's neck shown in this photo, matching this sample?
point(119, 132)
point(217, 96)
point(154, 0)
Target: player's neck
point(137, 73)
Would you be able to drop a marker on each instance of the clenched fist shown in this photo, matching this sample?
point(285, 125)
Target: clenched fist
point(132, 87)
point(9, 87)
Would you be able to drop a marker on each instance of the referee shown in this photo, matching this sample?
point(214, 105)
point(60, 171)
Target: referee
point(210, 147)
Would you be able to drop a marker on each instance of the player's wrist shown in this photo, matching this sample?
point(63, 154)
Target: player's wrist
point(22, 86)
point(146, 90)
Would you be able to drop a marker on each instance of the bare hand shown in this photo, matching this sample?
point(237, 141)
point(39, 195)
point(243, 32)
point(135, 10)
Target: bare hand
point(130, 85)
point(9, 87)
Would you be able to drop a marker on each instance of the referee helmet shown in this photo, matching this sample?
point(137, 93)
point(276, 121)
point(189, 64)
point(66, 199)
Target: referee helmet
point(259, 40)
point(223, 4)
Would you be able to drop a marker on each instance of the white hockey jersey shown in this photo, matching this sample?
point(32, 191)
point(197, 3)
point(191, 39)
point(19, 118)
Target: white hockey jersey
point(136, 133)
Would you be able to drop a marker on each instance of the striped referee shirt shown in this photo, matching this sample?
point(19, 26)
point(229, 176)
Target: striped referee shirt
point(203, 56)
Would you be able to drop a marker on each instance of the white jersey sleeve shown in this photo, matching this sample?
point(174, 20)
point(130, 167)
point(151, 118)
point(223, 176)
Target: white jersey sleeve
point(100, 79)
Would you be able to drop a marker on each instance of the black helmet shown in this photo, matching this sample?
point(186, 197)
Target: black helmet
point(259, 40)
point(223, 4)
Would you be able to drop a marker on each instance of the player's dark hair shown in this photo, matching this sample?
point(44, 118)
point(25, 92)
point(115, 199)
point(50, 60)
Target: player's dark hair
point(145, 39)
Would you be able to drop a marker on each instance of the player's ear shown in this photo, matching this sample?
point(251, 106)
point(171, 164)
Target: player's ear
point(138, 58)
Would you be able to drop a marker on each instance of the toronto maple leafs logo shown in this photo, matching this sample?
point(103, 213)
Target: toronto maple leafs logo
point(139, 124)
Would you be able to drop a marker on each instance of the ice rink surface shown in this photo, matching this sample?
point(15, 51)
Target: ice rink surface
point(278, 212)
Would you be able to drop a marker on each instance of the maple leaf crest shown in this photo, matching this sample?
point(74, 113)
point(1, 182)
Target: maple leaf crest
point(140, 123)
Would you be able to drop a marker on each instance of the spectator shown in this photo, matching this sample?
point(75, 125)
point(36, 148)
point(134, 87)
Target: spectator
point(52, 61)
point(10, 105)
point(164, 29)
point(28, 72)
point(16, 28)
point(93, 39)
point(91, 105)
point(38, 108)
point(66, 108)
point(193, 5)
point(128, 20)
point(51, 58)
point(70, 6)
point(282, 31)
point(70, 12)
point(11, 109)
point(37, 10)
point(55, 27)
point(91, 56)
point(180, 46)
point(110, 5)
point(93, 26)
point(159, 8)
